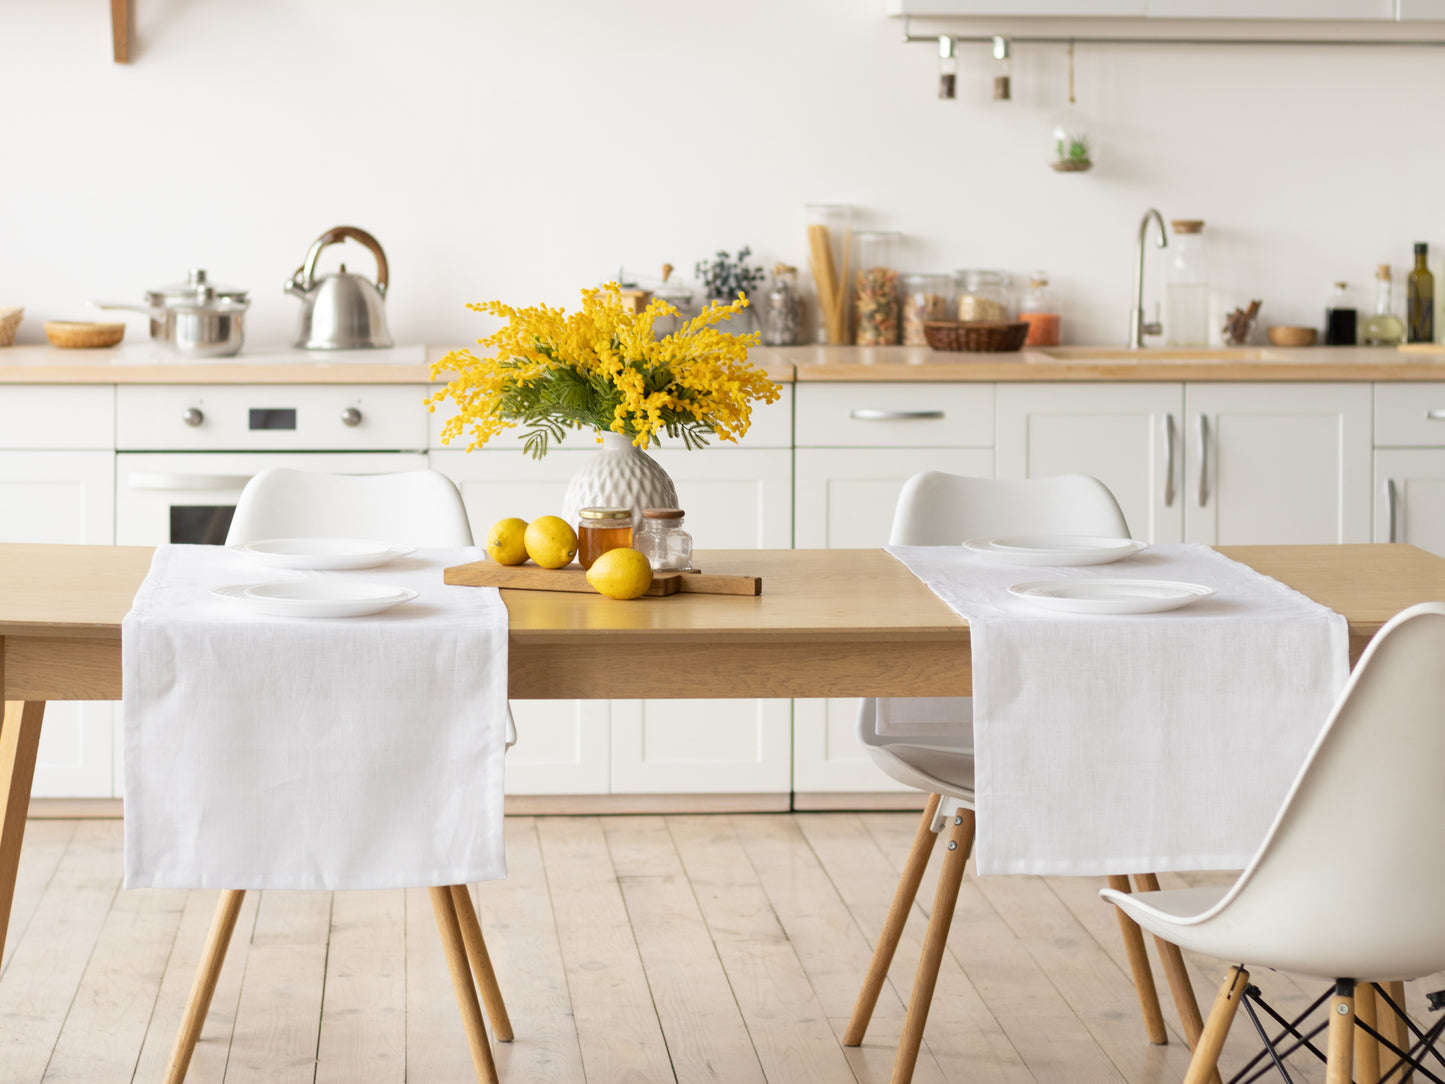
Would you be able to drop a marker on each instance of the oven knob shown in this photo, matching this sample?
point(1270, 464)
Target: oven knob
point(193, 417)
point(351, 417)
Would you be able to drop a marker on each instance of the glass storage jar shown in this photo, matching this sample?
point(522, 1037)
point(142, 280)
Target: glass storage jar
point(600, 530)
point(667, 547)
point(1186, 286)
point(783, 320)
point(983, 295)
point(925, 297)
point(875, 290)
point(1040, 310)
point(830, 236)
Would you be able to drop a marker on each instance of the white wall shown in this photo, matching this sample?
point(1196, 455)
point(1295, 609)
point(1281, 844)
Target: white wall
point(522, 150)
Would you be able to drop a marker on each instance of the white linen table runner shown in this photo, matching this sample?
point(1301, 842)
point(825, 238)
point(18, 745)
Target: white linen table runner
point(1132, 743)
point(271, 752)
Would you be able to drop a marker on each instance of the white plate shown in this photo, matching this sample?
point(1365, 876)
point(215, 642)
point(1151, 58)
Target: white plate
point(317, 598)
point(1111, 596)
point(1055, 549)
point(321, 553)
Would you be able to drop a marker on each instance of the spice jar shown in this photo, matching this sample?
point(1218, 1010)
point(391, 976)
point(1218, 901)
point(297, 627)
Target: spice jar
point(983, 295)
point(783, 321)
point(875, 291)
point(600, 530)
point(1040, 310)
point(925, 297)
point(667, 547)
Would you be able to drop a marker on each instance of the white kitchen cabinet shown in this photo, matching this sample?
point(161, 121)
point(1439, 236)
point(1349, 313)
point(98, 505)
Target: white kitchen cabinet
point(1271, 9)
point(1410, 11)
point(1277, 464)
point(1410, 497)
point(65, 496)
point(1126, 435)
point(1010, 8)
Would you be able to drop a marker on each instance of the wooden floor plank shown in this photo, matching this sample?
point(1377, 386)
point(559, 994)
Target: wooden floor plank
point(363, 1009)
point(707, 1039)
point(39, 986)
point(208, 1062)
point(45, 845)
point(279, 1014)
point(617, 1025)
point(789, 1029)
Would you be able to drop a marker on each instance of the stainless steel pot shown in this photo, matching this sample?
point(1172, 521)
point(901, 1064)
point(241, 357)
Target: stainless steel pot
point(195, 318)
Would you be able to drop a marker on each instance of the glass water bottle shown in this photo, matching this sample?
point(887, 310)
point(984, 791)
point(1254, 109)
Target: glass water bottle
point(1186, 287)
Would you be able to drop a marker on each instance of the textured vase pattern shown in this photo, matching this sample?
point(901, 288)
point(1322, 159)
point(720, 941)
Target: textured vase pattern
point(619, 475)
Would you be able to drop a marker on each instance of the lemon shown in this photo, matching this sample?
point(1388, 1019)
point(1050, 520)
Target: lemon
point(620, 573)
point(505, 543)
point(551, 542)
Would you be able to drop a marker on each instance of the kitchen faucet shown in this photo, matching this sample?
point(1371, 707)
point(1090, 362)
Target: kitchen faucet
point(1138, 326)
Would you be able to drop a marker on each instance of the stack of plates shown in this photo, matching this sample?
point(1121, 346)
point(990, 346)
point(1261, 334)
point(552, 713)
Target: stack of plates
point(319, 598)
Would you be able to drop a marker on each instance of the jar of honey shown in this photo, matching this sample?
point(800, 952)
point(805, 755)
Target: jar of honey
point(600, 530)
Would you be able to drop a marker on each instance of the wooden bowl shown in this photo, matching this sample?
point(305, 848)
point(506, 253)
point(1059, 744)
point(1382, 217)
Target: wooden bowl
point(979, 336)
point(1287, 335)
point(64, 333)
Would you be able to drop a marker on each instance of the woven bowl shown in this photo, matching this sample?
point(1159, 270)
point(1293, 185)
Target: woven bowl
point(1286, 335)
point(976, 336)
point(70, 335)
point(9, 320)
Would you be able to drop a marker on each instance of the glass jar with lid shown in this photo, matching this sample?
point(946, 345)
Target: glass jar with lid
point(983, 295)
point(925, 297)
point(783, 318)
point(830, 227)
point(1186, 286)
point(1040, 310)
point(667, 547)
point(875, 290)
point(600, 530)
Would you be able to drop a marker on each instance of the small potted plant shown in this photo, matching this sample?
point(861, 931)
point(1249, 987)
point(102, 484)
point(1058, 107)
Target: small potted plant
point(724, 277)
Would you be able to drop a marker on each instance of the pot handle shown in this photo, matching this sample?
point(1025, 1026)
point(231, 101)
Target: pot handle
point(154, 314)
point(304, 276)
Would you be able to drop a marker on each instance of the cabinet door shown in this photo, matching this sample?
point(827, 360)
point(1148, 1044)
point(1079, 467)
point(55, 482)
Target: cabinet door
point(65, 497)
point(1126, 435)
point(562, 745)
point(1410, 497)
point(845, 499)
point(1271, 9)
point(735, 498)
point(1277, 464)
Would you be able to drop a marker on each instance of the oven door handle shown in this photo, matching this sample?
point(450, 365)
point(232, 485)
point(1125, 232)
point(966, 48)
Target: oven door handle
point(166, 480)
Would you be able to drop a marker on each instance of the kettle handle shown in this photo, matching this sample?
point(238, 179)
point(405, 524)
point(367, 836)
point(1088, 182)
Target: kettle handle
point(305, 274)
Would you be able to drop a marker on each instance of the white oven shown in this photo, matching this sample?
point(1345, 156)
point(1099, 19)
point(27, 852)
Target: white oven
point(186, 452)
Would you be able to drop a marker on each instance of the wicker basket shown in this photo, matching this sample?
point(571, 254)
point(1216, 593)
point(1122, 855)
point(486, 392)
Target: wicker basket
point(978, 336)
point(9, 321)
point(72, 335)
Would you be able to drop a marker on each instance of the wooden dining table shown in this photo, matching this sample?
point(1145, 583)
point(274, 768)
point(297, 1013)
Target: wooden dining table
point(829, 623)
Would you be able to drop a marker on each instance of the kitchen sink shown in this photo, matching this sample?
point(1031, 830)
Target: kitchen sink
point(1158, 354)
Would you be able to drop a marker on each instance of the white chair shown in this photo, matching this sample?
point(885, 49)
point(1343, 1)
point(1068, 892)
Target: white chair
point(1348, 881)
point(935, 508)
point(415, 508)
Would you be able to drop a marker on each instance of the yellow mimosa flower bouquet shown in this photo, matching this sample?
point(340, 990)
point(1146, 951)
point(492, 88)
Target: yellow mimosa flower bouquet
point(601, 368)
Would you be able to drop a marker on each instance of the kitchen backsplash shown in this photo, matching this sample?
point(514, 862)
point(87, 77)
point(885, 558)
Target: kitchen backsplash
point(524, 150)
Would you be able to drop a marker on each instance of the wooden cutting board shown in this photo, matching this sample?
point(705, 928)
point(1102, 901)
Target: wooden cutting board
point(529, 577)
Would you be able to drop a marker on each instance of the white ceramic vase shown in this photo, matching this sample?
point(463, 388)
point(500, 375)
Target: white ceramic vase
point(619, 475)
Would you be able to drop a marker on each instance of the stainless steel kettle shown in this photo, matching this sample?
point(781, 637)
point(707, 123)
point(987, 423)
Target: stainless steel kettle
point(341, 311)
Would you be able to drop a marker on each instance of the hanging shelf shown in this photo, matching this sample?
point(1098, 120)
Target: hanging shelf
point(120, 24)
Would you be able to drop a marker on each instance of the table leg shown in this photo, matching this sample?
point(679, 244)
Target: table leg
point(1178, 976)
point(481, 961)
point(19, 740)
point(456, 953)
point(1144, 987)
point(203, 987)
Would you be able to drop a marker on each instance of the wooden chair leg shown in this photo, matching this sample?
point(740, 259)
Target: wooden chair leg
point(466, 991)
point(208, 973)
point(1139, 966)
point(903, 897)
point(1205, 1063)
point(1180, 987)
point(960, 842)
point(1367, 1049)
point(1340, 1067)
point(19, 740)
point(481, 961)
point(1393, 1027)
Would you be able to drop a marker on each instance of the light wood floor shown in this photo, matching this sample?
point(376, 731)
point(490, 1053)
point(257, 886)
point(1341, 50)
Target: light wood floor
point(647, 949)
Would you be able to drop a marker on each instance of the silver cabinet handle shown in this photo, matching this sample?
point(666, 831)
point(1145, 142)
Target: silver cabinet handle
point(193, 417)
point(1392, 505)
point(1203, 460)
point(169, 481)
point(1436, 414)
point(351, 417)
point(1170, 436)
point(867, 414)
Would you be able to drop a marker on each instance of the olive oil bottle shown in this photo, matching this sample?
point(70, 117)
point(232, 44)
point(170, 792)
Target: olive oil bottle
point(1420, 299)
point(1384, 328)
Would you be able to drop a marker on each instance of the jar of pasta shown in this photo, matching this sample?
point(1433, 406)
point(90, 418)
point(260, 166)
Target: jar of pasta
point(875, 290)
point(925, 297)
point(983, 295)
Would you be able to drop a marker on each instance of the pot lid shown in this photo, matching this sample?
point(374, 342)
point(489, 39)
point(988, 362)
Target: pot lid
point(197, 287)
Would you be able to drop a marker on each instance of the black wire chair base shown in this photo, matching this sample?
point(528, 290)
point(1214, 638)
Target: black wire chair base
point(1290, 1038)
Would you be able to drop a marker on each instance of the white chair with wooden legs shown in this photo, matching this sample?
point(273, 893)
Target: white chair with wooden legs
point(934, 509)
point(414, 508)
point(1347, 884)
